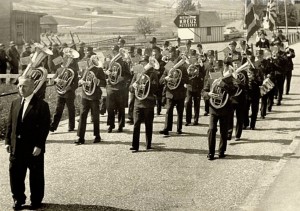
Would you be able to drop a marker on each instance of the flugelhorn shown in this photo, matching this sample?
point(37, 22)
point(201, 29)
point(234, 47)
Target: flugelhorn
point(114, 70)
point(175, 74)
point(65, 78)
point(142, 84)
point(38, 74)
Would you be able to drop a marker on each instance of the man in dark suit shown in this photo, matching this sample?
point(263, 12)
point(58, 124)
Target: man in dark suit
point(13, 57)
point(27, 131)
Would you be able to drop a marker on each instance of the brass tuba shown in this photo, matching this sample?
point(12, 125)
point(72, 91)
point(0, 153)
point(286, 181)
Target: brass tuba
point(142, 87)
point(175, 74)
point(115, 69)
point(38, 74)
point(89, 80)
point(65, 78)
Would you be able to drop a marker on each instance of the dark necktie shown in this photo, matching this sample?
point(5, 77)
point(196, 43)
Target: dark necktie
point(19, 123)
point(21, 110)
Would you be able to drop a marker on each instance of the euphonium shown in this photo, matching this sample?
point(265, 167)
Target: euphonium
point(142, 84)
point(89, 80)
point(38, 74)
point(65, 78)
point(222, 98)
point(175, 74)
point(115, 69)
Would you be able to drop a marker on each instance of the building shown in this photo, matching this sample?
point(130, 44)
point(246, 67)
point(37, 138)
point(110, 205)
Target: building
point(48, 24)
point(210, 28)
point(17, 25)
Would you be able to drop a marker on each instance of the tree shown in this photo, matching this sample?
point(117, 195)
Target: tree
point(185, 6)
point(145, 26)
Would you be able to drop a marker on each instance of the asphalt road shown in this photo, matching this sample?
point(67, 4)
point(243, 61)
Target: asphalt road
point(174, 176)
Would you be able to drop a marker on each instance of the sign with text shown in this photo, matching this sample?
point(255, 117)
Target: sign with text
point(187, 21)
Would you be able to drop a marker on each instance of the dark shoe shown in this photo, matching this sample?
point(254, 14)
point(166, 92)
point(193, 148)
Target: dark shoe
point(195, 123)
point(179, 132)
point(164, 132)
point(158, 113)
point(269, 109)
point(149, 148)
point(132, 148)
point(287, 93)
point(187, 124)
point(245, 127)
point(70, 129)
point(263, 117)
point(229, 136)
point(222, 155)
point(97, 139)
point(275, 97)
point(278, 103)
point(17, 205)
point(252, 128)
point(130, 122)
point(109, 130)
point(210, 157)
point(35, 206)
point(120, 129)
point(237, 139)
point(206, 114)
point(79, 141)
point(51, 129)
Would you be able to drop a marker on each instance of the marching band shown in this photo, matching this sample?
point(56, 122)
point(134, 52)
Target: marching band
point(170, 76)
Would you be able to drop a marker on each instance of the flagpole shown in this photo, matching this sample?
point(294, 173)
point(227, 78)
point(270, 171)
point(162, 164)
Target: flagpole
point(286, 20)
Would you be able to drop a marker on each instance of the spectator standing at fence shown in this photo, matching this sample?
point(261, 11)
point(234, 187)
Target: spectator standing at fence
point(26, 53)
point(3, 60)
point(13, 57)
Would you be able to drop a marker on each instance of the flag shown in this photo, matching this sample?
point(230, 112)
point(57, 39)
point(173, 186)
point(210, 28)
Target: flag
point(272, 14)
point(252, 23)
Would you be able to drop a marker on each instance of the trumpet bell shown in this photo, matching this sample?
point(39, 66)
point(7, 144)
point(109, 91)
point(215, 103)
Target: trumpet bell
point(143, 87)
point(221, 100)
point(70, 52)
point(89, 86)
point(175, 78)
point(64, 80)
point(39, 75)
point(95, 61)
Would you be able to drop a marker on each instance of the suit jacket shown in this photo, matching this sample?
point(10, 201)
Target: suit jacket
point(35, 127)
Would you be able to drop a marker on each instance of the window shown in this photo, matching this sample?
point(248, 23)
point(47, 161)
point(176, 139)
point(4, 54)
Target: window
point(208, 31)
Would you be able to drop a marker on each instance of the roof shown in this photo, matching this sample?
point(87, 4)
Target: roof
point(208, 18)
point(29, 12)
point(48, 20)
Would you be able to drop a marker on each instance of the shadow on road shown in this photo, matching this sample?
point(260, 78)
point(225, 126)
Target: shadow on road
point(77, 207)
point(252, 141)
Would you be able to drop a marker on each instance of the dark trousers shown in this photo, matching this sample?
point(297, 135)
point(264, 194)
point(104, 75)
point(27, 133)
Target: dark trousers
point(252, 103)
point(239, 109)
point(159, 100)
point(171, 103)
point(60, 105)
point(288, 78)
point(279, 86)
point(140, 115)
point(3, 71)
point(267, 102)
point(190, 98)
point(103, 105)
point(115, 101)
point(14, 68)
point(213, 130)
point(17, 173)
point(131, 106)
point(206, 106)
point(86, 106)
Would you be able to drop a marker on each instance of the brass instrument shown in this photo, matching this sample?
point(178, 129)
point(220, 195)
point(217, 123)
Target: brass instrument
point(38, 74)
point(115, 69)
point(65, 78)
point(222, 96)
point(175, 74)
point(89, 80)
point(241, 76)
point(60, 43)
point(142, 84)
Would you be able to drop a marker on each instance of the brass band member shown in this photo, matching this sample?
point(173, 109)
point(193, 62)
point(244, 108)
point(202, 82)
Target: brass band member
point(144, 108)
point(131, 96)
point(267, 100)
point(280, 61)
point(115, 93)
point(92, 79)
point(13, 57)
point(239, 103)
point(290, 66)
point(66, 95)
point(81, 50)
point(234, 54)
point(174, 97)
point(52, 67)
point(221, 90)
point(263, 42)
point(210, 66)
point(196, 73)
point(255, 80)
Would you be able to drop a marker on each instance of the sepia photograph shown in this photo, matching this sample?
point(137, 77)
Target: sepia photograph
point(139, 105)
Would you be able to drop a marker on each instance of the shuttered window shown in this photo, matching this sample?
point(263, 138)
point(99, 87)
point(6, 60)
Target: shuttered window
point(208, 33)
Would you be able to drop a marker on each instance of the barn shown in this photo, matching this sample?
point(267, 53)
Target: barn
point(18, 25)
point(210, 28)
point(48, 24)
